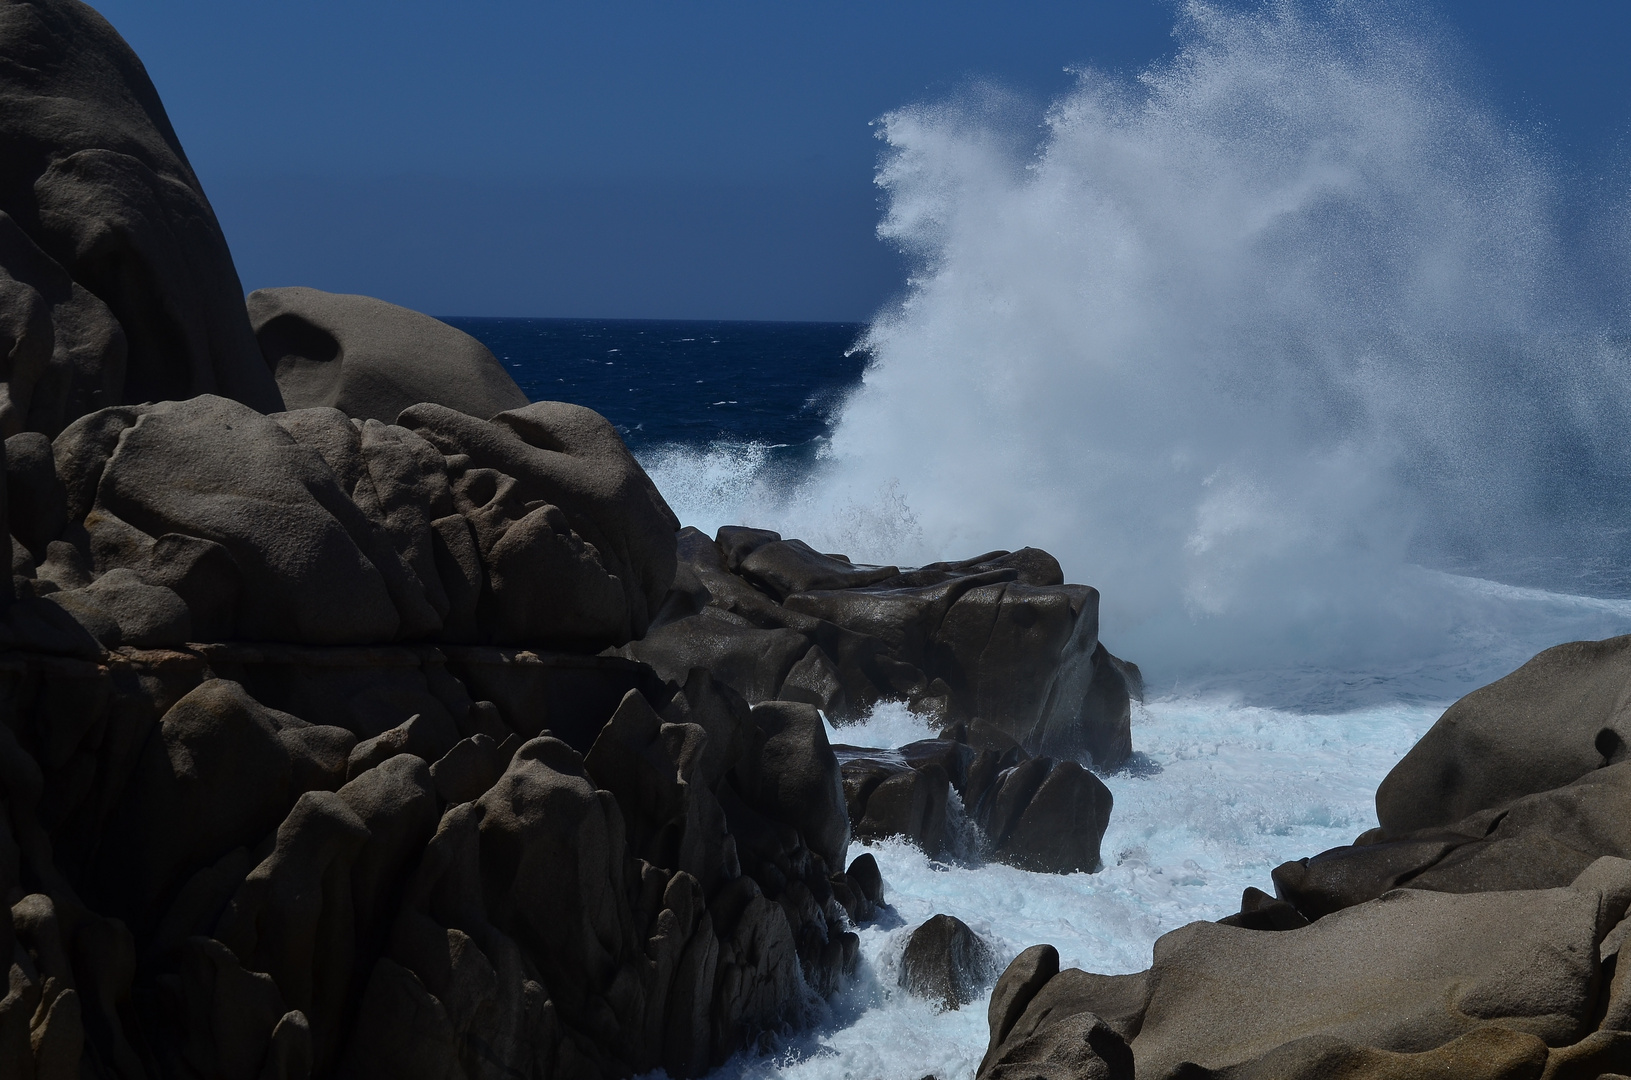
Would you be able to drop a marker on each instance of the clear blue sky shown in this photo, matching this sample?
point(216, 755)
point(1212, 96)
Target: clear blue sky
point(675, 158)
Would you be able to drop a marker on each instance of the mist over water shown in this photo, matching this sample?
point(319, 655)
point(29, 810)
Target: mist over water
point(1260, 343)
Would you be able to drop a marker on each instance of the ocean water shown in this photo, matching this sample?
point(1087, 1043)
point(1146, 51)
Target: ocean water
point(1291, 346)
point(668, 384)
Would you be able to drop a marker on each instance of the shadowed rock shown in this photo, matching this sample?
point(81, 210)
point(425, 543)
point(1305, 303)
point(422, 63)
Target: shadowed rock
point(202, 518)
point(1033, 813)
point(93, 173)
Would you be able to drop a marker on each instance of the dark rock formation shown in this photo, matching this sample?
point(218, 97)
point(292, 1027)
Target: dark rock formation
point(1033, 813)
point(155, 525)
point(115, 281)
point(243, 855)
point(371, 360)
point(946, 962)
point(999, 639)
point(349, 838)
point(315, 755)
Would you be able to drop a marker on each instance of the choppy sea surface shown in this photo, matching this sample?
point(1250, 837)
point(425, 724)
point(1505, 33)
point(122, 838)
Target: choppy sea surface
point(1311, 361)
point(1229, 786)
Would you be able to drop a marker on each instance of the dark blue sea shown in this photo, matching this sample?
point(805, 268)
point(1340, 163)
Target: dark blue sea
point(692, 383)
point(777, 386)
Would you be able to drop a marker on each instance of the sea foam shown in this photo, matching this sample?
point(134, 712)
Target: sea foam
point(1244, 341)
point(1284, 345)
point(1228, 792)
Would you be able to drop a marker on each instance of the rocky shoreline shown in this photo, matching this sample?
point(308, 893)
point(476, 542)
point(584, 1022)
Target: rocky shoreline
point(1476, 933)
point(359, 718)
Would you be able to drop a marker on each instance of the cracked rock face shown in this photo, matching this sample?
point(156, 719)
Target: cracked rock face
point(202, 882)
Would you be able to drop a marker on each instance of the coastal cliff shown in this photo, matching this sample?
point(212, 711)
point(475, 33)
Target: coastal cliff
point(360, 718)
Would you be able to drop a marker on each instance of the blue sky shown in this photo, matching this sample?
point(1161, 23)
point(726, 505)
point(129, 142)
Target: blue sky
point(679, 159)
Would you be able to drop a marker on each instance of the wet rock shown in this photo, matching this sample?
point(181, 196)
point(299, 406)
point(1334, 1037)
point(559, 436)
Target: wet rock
point(863, 871)
point(790, 772)
point(946, 962)
point(1054, 826)
point(1033, 813)
point(783, 567)
point(371, 359)
point(752, 661)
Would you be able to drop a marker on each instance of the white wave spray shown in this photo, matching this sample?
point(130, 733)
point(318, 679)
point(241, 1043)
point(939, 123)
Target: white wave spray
point(1241, 342)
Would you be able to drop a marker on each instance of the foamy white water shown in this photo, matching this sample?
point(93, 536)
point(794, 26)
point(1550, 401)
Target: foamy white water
point(1249, 343)
point(1240, 790)
point(1238, 341)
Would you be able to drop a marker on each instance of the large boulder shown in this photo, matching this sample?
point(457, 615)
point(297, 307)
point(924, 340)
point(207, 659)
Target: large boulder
point(371, 359)
point(307, 564)
point(123, 277)
point(789, 771)
point(65, 351)
point(945, 962)
point(1409, 973)
point(574, 537)
point(1558, 717)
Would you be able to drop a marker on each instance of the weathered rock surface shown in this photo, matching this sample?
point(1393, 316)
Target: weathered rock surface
point(315, 755)
point(115, 281)
point(154, 525)
point(1225, 998)
point(371, 360)
point(1534, 760)
point(999, 639)
point(946, 962)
